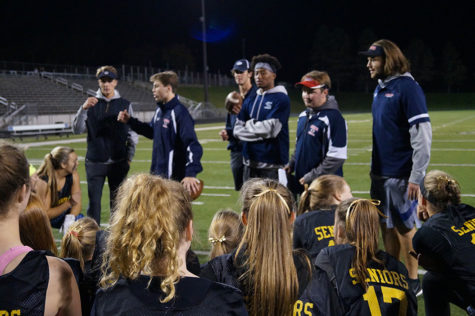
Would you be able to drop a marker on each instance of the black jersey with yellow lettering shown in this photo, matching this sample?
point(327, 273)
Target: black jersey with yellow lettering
point(446, 242)
point(194, 296)
point(335, 291)
point(313, 231)
point(23, 290)
point(228, 269)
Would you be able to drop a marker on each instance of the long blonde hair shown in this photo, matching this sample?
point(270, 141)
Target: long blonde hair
point(359, 219)
point(270, 280)
point(146, 230)
point(225, 232)
point(52, 162)
point(80, 240)
point(319, 194)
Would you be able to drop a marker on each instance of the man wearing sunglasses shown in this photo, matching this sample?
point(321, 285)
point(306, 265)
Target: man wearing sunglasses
point(110, 144)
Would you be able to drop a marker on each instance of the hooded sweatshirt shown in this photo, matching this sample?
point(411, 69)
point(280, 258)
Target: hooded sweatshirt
point(263, 127)
point(321, 146)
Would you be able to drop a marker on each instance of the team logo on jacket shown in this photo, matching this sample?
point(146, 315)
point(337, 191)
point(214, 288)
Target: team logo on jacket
point(165, 123)
point(389, 95)
point(268, 105)
point(312, 130)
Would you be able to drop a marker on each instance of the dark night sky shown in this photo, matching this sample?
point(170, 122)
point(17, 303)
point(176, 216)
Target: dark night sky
point(137, 32)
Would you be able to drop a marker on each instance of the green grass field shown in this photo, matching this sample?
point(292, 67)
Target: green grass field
point(453, 150)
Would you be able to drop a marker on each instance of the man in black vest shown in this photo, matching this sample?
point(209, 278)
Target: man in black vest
point(110, 144)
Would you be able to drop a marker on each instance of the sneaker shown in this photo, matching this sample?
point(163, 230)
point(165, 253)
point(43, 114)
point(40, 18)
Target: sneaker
point(415, 287)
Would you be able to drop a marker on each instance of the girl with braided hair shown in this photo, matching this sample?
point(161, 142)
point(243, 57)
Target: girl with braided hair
point(313, 228)
point(145, 258)
point(63, 193)
point(355, 277)
point(445, 245)
point(264, 267)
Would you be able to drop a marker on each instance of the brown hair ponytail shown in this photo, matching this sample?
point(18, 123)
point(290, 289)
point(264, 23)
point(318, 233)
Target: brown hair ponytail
point(360, 220)
point(52, 162)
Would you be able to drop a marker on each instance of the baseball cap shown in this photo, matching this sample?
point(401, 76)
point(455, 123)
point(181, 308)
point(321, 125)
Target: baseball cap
point(106, 74)
point(241, 65)
point(310, 83)
point(373, 51)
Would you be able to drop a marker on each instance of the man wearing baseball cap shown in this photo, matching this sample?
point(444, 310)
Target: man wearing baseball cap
point(321, 146)
point(402, 137)
point(242, 76)
point(262, 124)
point(110, 144)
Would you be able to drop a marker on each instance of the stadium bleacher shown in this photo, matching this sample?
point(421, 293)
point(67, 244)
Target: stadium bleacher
point(50, 94)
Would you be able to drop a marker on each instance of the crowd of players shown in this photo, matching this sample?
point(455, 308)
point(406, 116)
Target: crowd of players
point(319, 256)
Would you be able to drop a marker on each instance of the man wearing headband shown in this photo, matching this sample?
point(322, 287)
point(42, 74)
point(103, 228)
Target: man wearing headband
point(110, 144)
point(321, 134)
point(262, 124)
point(242, 76)
point(402, 138)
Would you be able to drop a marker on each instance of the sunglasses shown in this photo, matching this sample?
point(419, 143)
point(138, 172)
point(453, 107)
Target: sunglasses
point(238, 72)
point(104, 80)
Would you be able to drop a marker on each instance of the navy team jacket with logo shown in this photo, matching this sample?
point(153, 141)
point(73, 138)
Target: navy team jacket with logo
point(176, 150)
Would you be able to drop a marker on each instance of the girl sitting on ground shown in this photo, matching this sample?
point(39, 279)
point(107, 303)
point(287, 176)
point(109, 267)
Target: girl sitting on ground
point(225, 232)
point(445, 245)
point(264, 267)
point(63, 192)
point(85, 241)
point(145, 259)
point(313, 228)
point(31, 283)
point(355, 277)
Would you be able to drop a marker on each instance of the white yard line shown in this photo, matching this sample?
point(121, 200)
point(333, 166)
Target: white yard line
point(215, 194)
point(54, 142)
point(218, 188)
point(431, 164)
point(452, 149)
point(209, 128)
point(434, 128)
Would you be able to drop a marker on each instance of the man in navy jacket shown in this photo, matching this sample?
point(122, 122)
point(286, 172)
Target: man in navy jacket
point(262, 124)
point(402, 137)
point(321, 146)
point(176, 151)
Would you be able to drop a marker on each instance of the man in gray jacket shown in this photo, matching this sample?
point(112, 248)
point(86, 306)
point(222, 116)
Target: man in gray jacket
point(110, 144)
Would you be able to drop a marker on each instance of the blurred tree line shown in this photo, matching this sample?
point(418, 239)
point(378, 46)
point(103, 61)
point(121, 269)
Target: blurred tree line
point(440, 69)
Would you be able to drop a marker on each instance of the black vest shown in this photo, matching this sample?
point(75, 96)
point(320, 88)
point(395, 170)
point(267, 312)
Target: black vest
point(106, 138)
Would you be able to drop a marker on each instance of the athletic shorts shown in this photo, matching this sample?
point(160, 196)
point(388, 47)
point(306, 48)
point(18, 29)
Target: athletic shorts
point(392, 192)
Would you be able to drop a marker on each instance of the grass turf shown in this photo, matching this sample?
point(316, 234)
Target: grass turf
point(453, 150)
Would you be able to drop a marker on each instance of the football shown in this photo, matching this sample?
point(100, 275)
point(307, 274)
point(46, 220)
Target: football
point(197, 194)
point(232, 99)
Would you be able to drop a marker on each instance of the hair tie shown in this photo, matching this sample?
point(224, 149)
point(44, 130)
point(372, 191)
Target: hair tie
point(278, 194)
point(352, 204)
point(214, 240)
point(74, 233)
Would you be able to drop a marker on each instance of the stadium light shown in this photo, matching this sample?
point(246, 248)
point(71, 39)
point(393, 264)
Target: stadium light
point(205, 58)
